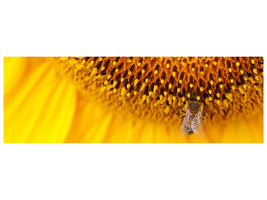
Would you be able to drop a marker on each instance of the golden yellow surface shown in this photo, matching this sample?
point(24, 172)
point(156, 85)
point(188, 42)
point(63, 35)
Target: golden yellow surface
point(43, 106)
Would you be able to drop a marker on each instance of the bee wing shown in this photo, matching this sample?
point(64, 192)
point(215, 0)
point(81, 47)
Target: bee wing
point(184, 123)
point(200, 130)
point(182, 132)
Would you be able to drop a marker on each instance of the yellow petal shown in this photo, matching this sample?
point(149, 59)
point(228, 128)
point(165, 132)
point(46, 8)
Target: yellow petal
point(93, 123)
point(86, 123)
point(44, 113)
point(14, 68)
point(34, 76)
point(248, 130)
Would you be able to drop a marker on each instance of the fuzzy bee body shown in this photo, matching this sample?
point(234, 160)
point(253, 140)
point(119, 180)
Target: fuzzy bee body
point(193, 120)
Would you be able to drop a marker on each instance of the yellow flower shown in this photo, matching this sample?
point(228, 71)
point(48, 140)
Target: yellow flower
point(97, 100)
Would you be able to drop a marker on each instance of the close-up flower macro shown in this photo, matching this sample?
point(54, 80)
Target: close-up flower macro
point(133, 99)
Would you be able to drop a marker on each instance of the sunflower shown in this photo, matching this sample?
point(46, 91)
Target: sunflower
point(131, 99)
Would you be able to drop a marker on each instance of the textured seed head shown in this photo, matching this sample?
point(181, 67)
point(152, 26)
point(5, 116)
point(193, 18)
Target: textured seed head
point(156, 87)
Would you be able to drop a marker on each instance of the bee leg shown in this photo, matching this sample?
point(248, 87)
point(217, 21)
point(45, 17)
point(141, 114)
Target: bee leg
point(181, 108)
point(182, 116)
point(202, 117)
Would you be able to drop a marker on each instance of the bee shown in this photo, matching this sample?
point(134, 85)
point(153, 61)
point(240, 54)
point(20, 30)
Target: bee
point(193, 120)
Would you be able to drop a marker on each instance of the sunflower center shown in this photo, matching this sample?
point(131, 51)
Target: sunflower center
point(156, 87)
